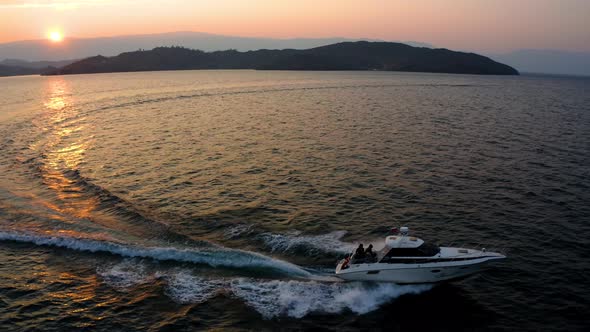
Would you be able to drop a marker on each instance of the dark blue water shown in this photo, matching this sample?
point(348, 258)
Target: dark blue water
point(222, 199)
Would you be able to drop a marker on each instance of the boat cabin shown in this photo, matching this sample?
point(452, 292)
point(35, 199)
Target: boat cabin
point(400, 249)
point(406, 246)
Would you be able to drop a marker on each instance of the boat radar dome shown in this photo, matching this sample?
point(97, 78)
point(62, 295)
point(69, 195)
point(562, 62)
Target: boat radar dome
point(404, 230)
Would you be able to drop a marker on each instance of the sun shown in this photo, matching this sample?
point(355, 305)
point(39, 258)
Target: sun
point(55, 36)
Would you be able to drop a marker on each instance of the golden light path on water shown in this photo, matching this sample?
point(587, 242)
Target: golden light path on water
point(64, 149)
point(66, 137)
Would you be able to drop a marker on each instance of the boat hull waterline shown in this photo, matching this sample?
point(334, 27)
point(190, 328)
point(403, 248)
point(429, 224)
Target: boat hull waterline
point(415, 273)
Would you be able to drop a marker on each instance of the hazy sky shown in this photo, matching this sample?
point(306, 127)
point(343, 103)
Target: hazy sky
point(478, 25)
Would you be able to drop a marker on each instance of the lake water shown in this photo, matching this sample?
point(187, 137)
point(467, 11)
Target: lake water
point(222, 199)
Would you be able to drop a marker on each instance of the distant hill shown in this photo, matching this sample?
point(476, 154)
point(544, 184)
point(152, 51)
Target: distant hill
point(547, 61)
point(14, 67)
point(341, 56)
point(17, 70)
point(35, 64)
point(78, 48)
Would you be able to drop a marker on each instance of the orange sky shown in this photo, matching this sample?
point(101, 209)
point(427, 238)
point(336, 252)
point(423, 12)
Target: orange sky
point(478, 25)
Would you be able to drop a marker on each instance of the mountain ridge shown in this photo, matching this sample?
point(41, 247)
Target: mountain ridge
point(360, 55)
point(78, 48)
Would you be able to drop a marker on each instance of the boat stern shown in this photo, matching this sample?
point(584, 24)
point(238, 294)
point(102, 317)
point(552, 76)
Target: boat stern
point(339, 266)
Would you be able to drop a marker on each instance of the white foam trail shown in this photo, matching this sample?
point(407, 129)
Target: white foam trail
point(299, 298)
point(125, 274)
point(271, 298)
point(210, 256)
point(233, 232)
point(293, 298)
point(184, 287)
point(311, 243)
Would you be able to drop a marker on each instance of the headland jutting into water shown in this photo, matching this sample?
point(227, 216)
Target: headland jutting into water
point(360, 55)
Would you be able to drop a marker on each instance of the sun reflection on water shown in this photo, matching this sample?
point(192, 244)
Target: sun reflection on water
point(64, 148)
point(57, 94)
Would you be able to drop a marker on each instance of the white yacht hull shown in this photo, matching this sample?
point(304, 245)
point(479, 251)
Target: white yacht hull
point(414, 273)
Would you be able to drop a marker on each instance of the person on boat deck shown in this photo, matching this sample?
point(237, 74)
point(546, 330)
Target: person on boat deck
point(369, 253)
point(360, 252)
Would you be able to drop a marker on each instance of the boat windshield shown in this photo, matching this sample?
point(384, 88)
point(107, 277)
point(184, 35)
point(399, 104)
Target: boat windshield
point(424, 250)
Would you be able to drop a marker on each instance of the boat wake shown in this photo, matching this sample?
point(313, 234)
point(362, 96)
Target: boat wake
point(296, 298)
point(309, 293)
point(214, 256)
point(297, 293)
point(270, 298)
point(308, 244)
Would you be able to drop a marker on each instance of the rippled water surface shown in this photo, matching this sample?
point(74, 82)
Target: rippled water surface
point(222, 199)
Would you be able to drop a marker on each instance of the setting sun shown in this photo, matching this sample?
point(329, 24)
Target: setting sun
point(55, 36)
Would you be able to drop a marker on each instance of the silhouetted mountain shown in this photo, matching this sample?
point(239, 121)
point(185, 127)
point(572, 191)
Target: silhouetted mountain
point(36, 64)
point(342, 56)
point(78, 48)
point(547, 61)
point(17, 70)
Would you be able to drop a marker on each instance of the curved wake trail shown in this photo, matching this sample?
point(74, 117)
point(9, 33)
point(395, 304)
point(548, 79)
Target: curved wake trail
point(216, 256)
point(270, 298)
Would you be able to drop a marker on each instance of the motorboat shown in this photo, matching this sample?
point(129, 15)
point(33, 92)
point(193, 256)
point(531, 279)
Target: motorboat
point(408, 259)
